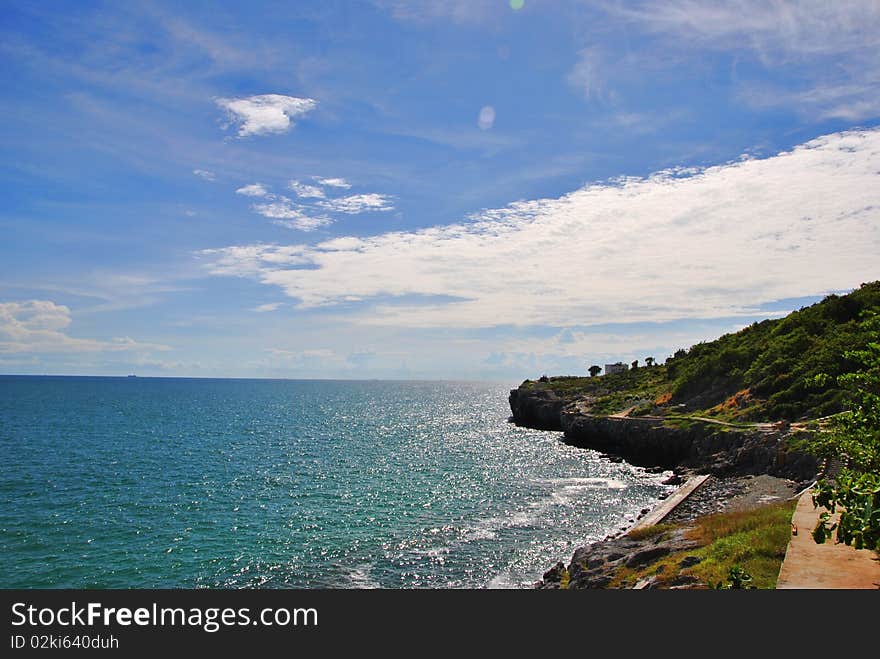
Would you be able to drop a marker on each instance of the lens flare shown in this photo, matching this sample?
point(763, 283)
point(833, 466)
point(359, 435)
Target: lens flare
point(487, 117)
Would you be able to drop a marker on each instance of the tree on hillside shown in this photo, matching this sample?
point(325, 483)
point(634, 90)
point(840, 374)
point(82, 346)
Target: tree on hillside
point(854, 438)
point(649, 361)
point(635, 364)
point(595, 370)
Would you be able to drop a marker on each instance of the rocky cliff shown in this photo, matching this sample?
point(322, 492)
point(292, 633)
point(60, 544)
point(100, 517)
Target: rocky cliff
point(539, 409)
point(693, 446)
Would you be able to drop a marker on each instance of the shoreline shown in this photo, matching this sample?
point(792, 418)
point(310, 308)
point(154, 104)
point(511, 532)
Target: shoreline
point(593, 565)
point(717, 469)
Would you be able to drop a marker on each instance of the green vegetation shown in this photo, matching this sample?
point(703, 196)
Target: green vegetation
point(783, 369)
point(768, 370)
point(737, 549)
point(854, 438)
point(610, 393)
point(651, 531)
point(739, 580)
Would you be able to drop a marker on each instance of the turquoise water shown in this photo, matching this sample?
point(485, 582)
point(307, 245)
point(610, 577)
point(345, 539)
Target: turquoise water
point(167, 483)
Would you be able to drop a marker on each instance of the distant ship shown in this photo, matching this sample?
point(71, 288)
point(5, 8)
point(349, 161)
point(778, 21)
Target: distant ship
point(132, 376)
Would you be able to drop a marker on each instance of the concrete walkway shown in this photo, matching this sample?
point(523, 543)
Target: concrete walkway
point(808, 565)
point(662, 511)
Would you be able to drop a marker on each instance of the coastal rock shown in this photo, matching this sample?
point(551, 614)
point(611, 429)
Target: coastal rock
point(647, 555)
point(554, 574)
point(539, 409)
point(701, 447)
point(595, 565)
point(648, 442)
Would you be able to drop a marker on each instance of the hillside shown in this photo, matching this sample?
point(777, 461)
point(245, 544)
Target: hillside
point(765, 372)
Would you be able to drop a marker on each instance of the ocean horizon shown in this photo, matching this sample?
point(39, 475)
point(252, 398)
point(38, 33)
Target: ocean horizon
point(156, 482)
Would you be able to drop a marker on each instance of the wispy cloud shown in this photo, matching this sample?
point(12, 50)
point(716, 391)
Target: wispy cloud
point(264, 308)
point(253, 190)
point(265, 114)
point(287, 214)
point(306, 191)
point(250, 260)
point(205, 174)
point(310, 215)
point(359, 203)
point(37, 326)
point(775, 29)
point(332, 182)
point(704, 243)
point(831, 50)
point(586, 75)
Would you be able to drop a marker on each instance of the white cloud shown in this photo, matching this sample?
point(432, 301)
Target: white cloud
point(263, 308)
point(486, 118)
point(359, 203)
point(266, 113)
point(286, 214)
point(332, 182)
point(205, 174)
point(304, 222)
point(706, 245)
point(307, 216)
point(34, 326)
point(250, 260)
point(306, 191)
point(253, 190)
point(282, 209)
point(344, 243)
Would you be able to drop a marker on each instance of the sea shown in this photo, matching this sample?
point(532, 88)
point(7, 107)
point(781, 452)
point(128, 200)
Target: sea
point(137, 482)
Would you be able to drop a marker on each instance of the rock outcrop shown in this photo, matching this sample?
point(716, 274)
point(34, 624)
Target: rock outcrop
point(594, 565)
point(539, 409)
point(701, 447)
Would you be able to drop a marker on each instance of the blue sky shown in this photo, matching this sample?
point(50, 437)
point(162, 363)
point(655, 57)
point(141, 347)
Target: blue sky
point(456, 190)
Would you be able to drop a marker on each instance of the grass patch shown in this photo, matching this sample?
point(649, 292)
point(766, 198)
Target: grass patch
point(651, 531)
point(680, 423)
point(754, 540)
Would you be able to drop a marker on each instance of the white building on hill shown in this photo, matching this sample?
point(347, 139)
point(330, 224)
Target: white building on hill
point(619, 367)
